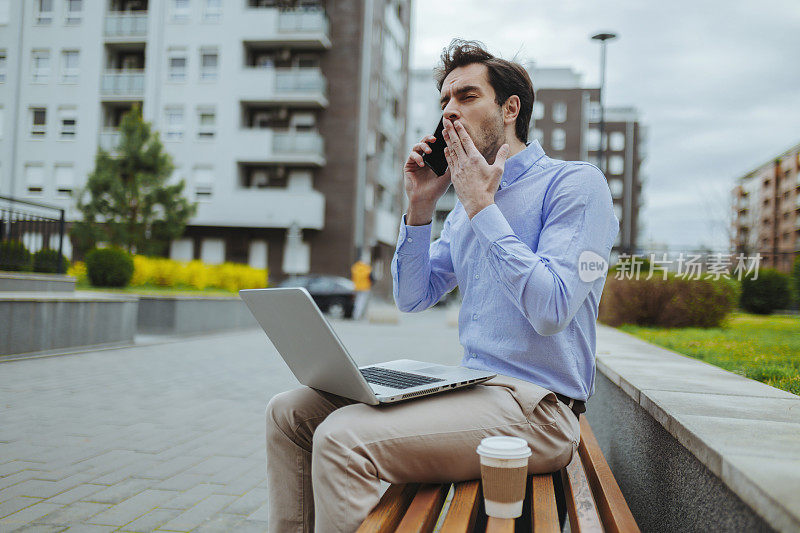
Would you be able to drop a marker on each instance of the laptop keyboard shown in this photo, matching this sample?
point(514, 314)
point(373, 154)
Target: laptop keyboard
point(395, 378)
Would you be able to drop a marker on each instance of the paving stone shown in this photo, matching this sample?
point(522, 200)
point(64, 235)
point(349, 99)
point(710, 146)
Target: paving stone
point(119, 492)
point(249, 503)
point(73, 514)
point(12, 505)
point(152, 520)
point(197, 514)
point(132, 508)
point(78, 493)
point(27, 515)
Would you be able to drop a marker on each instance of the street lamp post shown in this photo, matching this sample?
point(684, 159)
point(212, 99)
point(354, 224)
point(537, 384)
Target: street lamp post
point(603, 37)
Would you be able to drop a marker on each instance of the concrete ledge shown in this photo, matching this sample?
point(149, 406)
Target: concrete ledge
point(21, 281)
point(742, 434)
point(378, 313)
point(182, 315)
point(33, 322)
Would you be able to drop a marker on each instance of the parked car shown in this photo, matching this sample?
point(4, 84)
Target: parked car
point(332, 294)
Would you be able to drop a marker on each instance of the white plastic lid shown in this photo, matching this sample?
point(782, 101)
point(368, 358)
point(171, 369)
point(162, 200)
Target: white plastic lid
point(504, 448)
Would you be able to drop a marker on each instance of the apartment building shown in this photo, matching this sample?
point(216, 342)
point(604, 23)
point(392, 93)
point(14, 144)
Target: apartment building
point(566, 122)
point(766, 211)
point(285, 118)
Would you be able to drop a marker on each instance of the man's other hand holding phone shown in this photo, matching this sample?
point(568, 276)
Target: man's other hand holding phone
point(423, 186)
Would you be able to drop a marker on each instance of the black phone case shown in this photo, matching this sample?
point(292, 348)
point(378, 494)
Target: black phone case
point(436, 160)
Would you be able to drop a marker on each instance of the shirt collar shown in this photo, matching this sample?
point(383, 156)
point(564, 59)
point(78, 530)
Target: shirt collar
point(519, 163)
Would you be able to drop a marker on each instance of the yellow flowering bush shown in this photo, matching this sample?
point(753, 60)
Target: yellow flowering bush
point(77, 270)
point(196, 274)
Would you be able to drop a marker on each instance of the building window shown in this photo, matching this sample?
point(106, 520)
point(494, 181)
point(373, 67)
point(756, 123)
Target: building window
point(616, 140)
point(206, 123)
point(616, 164)
point(560, 112)
point(208, 64)
point(68, 118)
point(212, 12)
point(3, 65)
point(203, 178)
point(616, 187)
point(594, 111)
point(4, 9)
point(558, 139)
point(69, 66)
point(34, 179)
point(538, 135)
point(38, 121)
point(174, 121)
point(41, 66)
point(74, 11)
point(65, 180)
point(538, 110)
point(180, 10)
point(44, 11)
point(177, 65)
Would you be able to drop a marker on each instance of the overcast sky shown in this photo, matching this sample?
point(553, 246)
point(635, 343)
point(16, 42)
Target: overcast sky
point(717, 83)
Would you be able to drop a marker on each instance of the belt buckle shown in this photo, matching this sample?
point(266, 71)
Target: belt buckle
point(571, 403)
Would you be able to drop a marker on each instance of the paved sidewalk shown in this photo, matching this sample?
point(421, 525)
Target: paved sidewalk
point(163, 437)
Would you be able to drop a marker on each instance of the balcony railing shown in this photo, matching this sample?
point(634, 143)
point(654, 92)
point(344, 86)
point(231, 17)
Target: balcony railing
point(297, 142)
point(125, 25)
point(302, 21)
point(108, 139)
point(299, 80)
point(122, 83)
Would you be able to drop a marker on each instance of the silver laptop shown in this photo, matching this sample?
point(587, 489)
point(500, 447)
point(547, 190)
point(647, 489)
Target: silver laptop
point(318, 359)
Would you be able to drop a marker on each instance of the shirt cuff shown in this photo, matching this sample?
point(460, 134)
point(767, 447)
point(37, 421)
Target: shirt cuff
point(413, 240)
point(490, 225)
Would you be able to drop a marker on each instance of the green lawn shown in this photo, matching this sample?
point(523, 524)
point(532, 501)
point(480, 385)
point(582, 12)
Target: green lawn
point(764, 348)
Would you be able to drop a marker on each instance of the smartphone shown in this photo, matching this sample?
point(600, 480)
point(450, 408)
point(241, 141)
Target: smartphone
point(436, 160)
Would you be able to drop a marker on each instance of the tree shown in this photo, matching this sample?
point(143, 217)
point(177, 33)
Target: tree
point(127, 201)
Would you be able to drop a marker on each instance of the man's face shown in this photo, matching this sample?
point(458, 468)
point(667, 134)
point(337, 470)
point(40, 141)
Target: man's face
point(468, 96)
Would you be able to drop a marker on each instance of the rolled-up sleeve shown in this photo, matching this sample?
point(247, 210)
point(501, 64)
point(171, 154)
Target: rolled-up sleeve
point(545, 284)
point(422, 271)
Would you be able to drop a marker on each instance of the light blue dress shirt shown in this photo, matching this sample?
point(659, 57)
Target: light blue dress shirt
point(526, 310)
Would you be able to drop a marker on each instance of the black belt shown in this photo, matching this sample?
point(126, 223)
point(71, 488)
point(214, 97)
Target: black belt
point(577, 406)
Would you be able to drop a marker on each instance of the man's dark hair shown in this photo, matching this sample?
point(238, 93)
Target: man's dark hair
point(506, 77)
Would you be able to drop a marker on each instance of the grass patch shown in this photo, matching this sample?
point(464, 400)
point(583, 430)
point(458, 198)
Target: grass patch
point(764, 348)
point(157, 290)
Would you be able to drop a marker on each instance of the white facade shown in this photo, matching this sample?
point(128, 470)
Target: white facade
point(193, 66)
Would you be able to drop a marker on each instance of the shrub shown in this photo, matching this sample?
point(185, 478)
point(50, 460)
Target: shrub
point(766, 292)
point(676, 302)
point(796, 280)
point(109, 267)
point(196, 274)
point(47, 260)
point(14, 256)
point(77, 270)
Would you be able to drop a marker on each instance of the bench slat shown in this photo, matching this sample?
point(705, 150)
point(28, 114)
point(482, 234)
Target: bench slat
point(583, 517)
point(390, 509)
point(463, 510)
point(614, 511)
point(543, 504)
point(424, 510)
point(500, 525)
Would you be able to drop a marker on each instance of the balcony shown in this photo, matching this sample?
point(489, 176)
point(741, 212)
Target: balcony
point(127, 83)
point(280, 146)
point(284, 85)
point(108, 139)
point(264, 208)
point(124, 25)
point(298, 28)
point(388, 172)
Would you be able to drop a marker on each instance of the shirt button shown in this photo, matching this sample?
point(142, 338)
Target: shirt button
point(475, 317)
point(410, 239)
point(474, 355)
point(503, 183)
point(477, 276)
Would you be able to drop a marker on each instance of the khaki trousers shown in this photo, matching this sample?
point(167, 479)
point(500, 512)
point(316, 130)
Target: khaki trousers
point(326, 455)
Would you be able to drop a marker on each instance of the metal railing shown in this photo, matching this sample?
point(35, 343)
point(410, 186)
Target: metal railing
point(33, 224)
point(122, 82)
point(122, 24)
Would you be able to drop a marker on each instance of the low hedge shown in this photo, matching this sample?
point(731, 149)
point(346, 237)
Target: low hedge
point(47, 260)
point(675, 302)
point(14, 256)
point(768, 291)
point(109, 267)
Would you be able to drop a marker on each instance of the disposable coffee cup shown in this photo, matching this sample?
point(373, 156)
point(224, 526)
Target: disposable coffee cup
point(504, 469)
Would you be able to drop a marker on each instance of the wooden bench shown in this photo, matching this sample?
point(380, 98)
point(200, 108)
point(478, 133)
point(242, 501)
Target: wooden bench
point(593, 500)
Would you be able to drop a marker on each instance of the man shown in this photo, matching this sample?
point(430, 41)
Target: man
point(512, 244)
